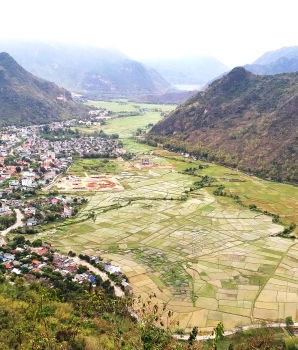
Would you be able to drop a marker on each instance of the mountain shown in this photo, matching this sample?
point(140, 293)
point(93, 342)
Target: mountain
point(284, 60)
point(26, 99)
point(189, 70)
point(241, 120)
point(86, 69)
point(272, 56)
point(172, 97)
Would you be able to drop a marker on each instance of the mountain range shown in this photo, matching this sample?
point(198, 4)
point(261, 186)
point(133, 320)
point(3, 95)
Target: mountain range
point(241, 120)
point(171, 97)
point(26, 99)
point(86, 69)
point(284, 60)
point(188, 70)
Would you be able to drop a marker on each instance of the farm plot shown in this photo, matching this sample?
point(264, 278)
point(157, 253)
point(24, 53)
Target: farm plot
point(208, 258)
point(276, 198)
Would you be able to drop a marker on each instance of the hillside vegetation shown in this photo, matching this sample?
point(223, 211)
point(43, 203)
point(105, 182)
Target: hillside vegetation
point(26, 99)
point(241, 120)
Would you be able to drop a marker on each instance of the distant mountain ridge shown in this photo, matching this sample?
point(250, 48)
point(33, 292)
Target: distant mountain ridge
point(86, 69)
point(26, 99)
point(241, 120)
point(173, 97)
point(274, 55)
point(284, 60)
point(188, 70)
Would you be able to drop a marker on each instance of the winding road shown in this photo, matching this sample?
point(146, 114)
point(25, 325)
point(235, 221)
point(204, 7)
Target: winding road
point(17, 224)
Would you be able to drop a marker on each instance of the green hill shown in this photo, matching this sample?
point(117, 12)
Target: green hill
point(26, 99)
point(241, 120)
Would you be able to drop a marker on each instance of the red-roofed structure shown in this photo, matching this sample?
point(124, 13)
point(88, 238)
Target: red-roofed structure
point(36, 262)
point(42, 251)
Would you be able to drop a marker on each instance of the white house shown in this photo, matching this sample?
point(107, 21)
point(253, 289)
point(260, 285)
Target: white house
point(67, 212)
point(27, 182)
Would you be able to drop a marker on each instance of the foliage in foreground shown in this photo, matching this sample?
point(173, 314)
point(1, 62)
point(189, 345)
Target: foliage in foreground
point(33, 317)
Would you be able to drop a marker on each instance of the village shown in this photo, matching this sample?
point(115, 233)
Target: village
point(37, 260)
point(31, 159)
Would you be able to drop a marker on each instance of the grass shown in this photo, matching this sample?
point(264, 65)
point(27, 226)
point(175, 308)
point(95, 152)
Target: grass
point(93, 166)
point(127, 126)
point(117, 107)
point(277, 198)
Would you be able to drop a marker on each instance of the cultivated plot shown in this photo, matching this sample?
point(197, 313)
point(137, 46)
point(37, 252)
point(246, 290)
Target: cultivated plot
point(208, 258)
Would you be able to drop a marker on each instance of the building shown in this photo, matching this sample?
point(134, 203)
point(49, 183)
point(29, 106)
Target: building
point(67, 212)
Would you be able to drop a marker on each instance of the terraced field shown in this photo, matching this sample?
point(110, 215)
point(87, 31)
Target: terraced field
point(207, 257)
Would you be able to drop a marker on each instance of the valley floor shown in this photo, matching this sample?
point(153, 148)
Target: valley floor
point(210, 259)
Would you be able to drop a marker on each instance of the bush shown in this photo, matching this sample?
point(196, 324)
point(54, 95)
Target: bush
point(291, 343)
point(179, 331)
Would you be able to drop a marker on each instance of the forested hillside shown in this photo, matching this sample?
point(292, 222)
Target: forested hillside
point(241, 120)
point(26, 99)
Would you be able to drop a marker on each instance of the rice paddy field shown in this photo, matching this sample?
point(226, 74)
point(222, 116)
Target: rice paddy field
point(210, 259)
point(126, 127)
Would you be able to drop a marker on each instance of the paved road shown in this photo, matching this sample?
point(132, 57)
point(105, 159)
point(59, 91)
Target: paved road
point(253, 326)
point(51, 184)
point(18, 223)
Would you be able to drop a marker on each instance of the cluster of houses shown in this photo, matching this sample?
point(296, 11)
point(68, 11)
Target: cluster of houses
point(96, 116)
point(31, 262)
point(25, 147)
point(25, 180)
point(62, 206)
point(57, 155)
point(59, 205)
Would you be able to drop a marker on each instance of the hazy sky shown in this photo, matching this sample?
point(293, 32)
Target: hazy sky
point(234, 31)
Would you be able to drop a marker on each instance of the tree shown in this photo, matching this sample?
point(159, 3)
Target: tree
point(19, 239)
point(218, 333)
point(37, 243)
point(192, 337)
point(18, 169)
point(289, 325)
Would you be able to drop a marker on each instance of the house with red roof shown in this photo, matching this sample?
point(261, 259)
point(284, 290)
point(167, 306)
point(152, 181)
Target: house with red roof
point(36, 262)
point(42, 251)
point(67, 211)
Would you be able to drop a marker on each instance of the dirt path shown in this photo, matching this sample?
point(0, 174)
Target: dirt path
point(18, 223)
point(118, 291)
